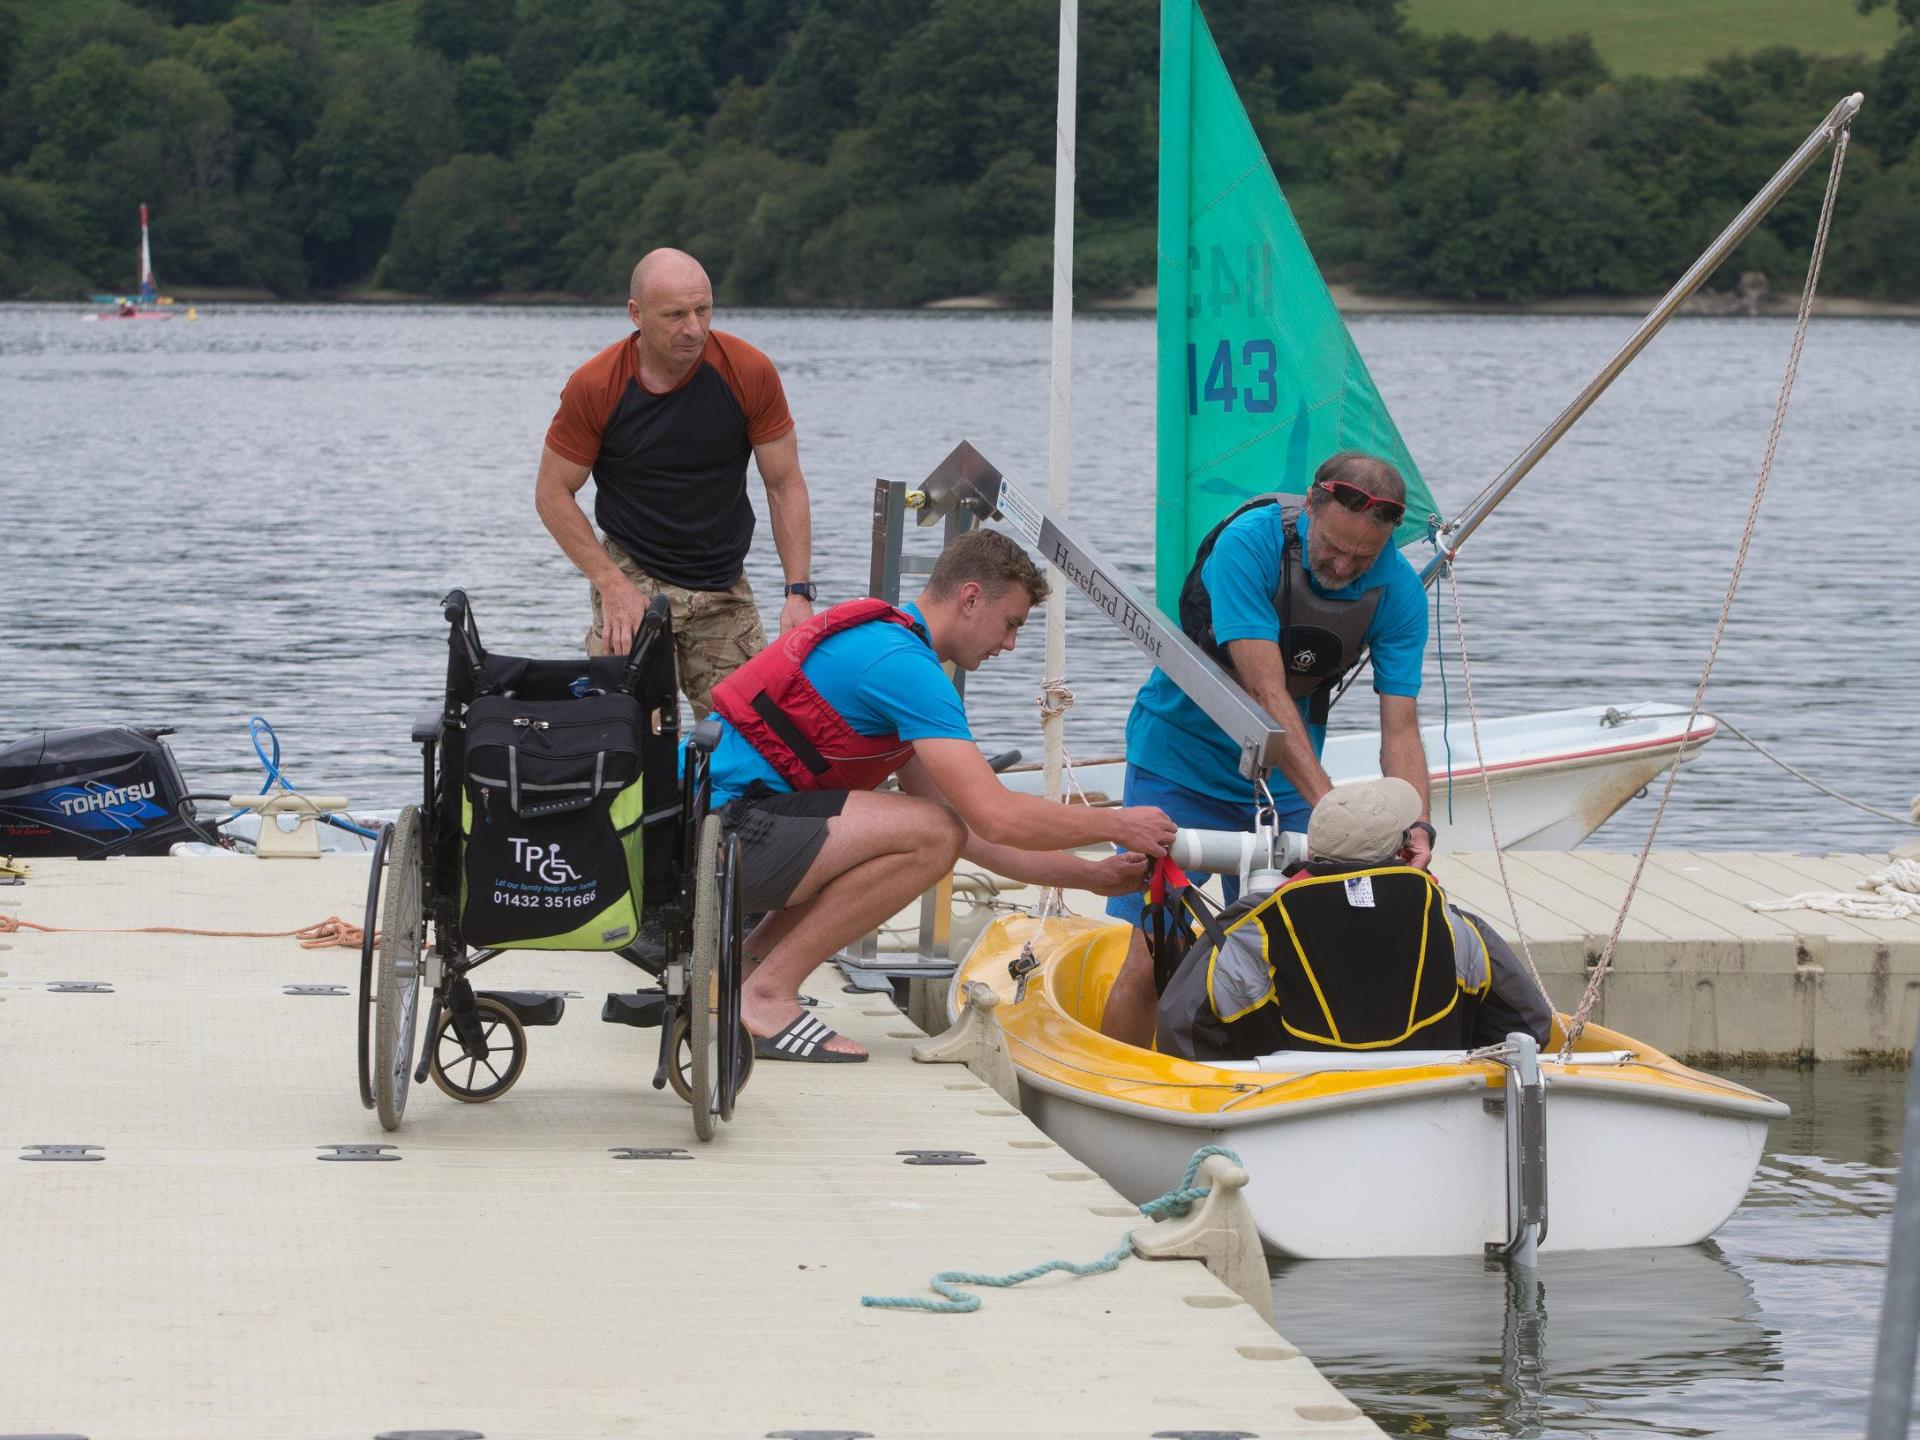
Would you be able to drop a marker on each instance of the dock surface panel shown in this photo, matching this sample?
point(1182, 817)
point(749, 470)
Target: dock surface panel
point(212, 1278)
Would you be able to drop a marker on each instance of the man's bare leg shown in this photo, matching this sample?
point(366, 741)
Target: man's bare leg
point(1132, 1003)
point(881, 851)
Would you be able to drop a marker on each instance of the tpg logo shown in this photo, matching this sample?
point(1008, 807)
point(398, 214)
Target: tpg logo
point(543, 862)
point(105, 799)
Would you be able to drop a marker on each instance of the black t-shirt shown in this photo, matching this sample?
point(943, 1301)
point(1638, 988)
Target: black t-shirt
point(670, 469)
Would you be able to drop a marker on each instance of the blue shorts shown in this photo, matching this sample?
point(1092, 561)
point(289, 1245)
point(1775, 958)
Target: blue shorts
point(1194, 811)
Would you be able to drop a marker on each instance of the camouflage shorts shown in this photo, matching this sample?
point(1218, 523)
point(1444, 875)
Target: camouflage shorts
point(714, 631)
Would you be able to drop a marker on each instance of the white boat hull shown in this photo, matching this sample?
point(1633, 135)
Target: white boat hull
point(1422, 1170)
point(1556, 776)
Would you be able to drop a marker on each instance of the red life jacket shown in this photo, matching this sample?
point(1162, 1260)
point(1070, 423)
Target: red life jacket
point(810, 745)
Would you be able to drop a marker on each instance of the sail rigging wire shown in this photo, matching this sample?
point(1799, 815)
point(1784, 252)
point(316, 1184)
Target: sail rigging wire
point(1605, 964)
point(1053, 709)
point(1486, 783)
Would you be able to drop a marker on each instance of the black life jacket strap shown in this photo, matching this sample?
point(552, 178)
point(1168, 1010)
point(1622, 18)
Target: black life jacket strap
point(781, 724)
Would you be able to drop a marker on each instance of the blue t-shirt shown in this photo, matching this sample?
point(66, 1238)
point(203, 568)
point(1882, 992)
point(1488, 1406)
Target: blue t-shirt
point(1171, 736)
point(882, 678)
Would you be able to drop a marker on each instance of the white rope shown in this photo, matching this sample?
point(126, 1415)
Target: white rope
point(1055, 698)
point(1896, 892)
point(1486, 783)
point(1605, 964)
point(1912, 817)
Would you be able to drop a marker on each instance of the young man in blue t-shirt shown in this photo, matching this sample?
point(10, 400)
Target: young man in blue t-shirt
point(812, 725)
point(1181, 761)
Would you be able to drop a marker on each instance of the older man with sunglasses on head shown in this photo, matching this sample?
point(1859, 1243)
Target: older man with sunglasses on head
point(1286, 597)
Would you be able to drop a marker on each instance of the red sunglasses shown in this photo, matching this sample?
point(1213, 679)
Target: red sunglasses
point(1352, 497)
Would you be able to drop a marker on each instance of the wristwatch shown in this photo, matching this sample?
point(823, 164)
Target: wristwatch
point(805, 589)
point(1433, 835)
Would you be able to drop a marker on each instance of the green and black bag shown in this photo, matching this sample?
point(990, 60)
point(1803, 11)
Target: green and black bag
point(551, 809)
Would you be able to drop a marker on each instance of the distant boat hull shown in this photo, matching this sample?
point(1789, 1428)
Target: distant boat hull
point(1556, 775)
point(137, 315)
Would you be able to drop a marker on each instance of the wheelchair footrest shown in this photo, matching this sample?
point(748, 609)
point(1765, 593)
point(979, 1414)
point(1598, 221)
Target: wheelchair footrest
point(531, 1007)
point(642, 1009)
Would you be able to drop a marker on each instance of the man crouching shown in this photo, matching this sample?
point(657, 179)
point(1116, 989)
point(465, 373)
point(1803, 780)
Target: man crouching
point(815, 723)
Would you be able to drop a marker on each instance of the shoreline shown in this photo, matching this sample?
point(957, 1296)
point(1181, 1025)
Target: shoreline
point(1347, 298)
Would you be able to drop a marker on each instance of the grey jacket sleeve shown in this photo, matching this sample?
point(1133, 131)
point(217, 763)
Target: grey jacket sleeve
point(1513, 1002)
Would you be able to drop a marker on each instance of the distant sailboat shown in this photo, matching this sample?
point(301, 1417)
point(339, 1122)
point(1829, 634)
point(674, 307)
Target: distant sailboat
point(147, 303)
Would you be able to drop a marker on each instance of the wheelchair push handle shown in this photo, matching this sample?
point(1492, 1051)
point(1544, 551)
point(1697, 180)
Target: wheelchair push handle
point(652, 625)
point(458, 611)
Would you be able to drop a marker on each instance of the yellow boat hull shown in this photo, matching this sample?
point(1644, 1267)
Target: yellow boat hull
point(1397, 1159)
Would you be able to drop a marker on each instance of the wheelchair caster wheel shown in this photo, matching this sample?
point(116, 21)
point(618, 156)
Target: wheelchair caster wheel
point(465, 1078)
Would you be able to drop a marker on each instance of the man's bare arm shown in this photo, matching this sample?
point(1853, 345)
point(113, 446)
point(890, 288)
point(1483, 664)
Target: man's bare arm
point(791, 514)
point(1264, 677)
point(1108, 875)
point(1005, 817)
point(1402, 753)
point(556, 497)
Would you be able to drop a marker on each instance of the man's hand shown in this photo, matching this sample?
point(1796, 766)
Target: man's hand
point(1143, 828)
point(797, 611)
point(622, 607)
point(1116, 875)
point(1419, 851)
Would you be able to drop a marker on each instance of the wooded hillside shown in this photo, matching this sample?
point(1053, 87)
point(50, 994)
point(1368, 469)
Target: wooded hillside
point(885, 152)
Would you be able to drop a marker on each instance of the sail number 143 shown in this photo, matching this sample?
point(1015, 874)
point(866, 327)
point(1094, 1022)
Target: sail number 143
point(1257, 390)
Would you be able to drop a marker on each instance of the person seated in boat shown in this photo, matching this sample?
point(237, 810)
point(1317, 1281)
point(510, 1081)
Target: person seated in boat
point(1285, 595)
point(1342, 956)
point(813, 725)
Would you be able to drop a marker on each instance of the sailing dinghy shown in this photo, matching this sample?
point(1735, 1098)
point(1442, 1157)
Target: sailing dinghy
point(1597, 1142)
point(148, 303)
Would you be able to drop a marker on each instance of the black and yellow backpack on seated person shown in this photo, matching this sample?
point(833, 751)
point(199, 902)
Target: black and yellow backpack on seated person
point(1350, 960)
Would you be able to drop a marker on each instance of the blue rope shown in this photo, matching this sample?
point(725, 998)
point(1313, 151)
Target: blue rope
point(1176, 1202)
point(256, 725)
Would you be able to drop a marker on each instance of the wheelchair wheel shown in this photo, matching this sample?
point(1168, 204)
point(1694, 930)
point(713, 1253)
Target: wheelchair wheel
point(698, 1017)
point(733, 1058)
point(465, 1078)
point(399, 962)
point(369, 928)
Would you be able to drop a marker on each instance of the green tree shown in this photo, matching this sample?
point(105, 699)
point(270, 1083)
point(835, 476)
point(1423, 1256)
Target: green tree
point(816, 87)
point(459, 28)
point(391, 120)
point(37, 242)
point(458, 233)
point(614, 219)
point(493, 117)
point(89, 100)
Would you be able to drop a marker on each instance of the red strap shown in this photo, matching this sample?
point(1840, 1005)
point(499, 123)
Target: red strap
point(1163, 874)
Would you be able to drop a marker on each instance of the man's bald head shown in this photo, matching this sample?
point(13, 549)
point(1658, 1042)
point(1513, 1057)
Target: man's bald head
point(665, 268)
point(671, 304)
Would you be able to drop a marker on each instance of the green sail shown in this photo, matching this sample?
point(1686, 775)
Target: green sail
point(1258, 379)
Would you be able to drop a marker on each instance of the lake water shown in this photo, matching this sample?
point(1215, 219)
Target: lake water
point(258, 511)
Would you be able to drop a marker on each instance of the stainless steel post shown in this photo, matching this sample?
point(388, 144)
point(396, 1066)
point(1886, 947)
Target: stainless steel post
point(1455, 535)
point(1890, 1403)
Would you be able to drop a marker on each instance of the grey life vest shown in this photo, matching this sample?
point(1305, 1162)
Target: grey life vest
point(1320, 639)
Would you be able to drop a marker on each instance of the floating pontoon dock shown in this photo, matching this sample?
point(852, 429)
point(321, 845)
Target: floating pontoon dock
point(194, 1249)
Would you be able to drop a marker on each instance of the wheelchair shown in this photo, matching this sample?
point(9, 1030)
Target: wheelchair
point(556, 815)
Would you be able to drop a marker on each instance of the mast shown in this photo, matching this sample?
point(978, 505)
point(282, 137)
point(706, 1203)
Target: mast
point(1454, 536)
point(1170, 308)
point(148, 290)
point(1053, 718)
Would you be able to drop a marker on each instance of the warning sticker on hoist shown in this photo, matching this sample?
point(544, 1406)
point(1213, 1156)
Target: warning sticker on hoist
point(1360, 891)
point(1020, 512)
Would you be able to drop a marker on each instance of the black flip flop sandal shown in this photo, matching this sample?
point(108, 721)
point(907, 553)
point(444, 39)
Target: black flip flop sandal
point(805, 1039)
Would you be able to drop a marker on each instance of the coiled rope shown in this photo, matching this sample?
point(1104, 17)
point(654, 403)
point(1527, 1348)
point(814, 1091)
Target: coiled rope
point(1176, 1202)
point(1591, 995)
point(1895, 892)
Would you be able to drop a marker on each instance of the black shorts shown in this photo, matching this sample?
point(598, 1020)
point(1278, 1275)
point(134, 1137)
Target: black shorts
point(780, 836)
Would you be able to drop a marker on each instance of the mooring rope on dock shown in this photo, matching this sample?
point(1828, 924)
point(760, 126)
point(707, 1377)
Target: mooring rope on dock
point(330, 933)
point(1895, 894)
point(1175, 1203)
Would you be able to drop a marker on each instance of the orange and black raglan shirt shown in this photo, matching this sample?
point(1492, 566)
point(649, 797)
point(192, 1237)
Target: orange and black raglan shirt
point(670, 470)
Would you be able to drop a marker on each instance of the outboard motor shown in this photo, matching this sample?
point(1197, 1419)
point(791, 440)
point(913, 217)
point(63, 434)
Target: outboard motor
point(91, 792)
